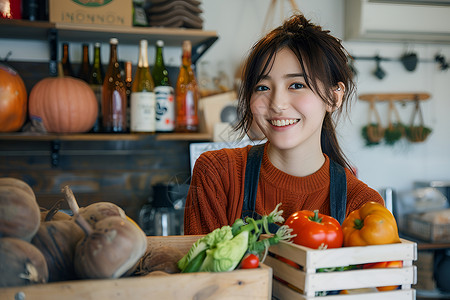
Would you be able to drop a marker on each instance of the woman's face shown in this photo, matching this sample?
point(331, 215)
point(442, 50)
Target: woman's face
point(286, 110)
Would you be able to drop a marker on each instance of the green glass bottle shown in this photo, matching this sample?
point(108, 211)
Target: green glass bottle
point(96, 83)
point(164, 93)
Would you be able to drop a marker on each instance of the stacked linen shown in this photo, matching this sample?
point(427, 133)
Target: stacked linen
point(175, 13)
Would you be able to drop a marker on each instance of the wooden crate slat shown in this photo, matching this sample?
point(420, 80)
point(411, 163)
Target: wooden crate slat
point(281, 291)
point(314, 259)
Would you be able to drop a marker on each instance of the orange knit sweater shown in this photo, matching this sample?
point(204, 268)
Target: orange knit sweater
point(216, 192)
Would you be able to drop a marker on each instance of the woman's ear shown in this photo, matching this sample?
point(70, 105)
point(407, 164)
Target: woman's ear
point(338, 93)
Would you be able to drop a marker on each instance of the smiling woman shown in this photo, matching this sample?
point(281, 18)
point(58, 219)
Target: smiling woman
point(294, 80)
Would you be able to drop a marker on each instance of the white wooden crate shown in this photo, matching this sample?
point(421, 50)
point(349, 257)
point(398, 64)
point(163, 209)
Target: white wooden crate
point(305, 282)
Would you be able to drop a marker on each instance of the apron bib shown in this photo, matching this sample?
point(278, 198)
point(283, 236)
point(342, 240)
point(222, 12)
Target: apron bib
point(338, 187)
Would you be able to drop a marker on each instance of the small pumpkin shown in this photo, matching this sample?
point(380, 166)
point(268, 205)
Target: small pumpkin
point(63, 105)
point(13, 100)
point(19, 211)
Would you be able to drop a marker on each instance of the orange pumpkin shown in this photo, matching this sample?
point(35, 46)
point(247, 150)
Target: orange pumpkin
point(63, 105)
point(13, 100)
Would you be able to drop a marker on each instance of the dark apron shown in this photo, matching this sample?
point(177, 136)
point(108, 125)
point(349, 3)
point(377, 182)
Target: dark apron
point(338, 187)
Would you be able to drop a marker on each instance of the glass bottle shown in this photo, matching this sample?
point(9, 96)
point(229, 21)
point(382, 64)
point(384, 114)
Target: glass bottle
point(164, 93)
point(114, 98)
point(85, 67)
point(142, 107)
point(186, 94)
point(66, 64)
point(128, 85)
point(96, 83)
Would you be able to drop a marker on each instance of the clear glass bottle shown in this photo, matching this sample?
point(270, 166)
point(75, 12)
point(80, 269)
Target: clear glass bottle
point(96, 83)
point(164, 93)
point(142, 106)
point(65, 60)
point(114, 98)
point(187, 94)
point(85, 67)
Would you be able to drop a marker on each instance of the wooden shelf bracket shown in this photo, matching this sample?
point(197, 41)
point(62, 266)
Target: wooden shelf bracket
point(403, 97)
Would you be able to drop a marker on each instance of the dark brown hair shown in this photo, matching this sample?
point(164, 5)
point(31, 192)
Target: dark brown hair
point(320, 54)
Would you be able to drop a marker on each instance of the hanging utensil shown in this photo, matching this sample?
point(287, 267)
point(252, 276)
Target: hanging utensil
point(379, 72)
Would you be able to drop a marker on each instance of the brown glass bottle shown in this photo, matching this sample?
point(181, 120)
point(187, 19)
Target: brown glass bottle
point(128, 85)
point(65, 60)
point(85, 67)
point(114, 98)
point(186, 94)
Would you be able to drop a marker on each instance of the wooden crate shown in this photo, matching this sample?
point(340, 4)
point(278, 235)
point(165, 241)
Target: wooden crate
point(303, 283)
point(238, 284)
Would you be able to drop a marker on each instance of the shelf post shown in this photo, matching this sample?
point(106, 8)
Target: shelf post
point(54, 157)
point(53, 49)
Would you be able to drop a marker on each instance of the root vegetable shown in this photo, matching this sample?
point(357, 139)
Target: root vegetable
point(99, 210)
point(21, 263)
point(110, 249)
point(163, 258)
point(19, 211)
point(57, 240)
point(54, 214)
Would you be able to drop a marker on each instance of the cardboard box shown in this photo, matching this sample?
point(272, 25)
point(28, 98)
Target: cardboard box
point(306, 282)
point(99, 12)
point(236, 285)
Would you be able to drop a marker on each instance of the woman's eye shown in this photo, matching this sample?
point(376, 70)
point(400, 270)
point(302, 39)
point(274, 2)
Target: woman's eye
point(261, 88)
point(296, 86)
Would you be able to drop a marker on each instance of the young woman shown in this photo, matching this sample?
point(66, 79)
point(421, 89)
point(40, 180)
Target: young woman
point(294, 80)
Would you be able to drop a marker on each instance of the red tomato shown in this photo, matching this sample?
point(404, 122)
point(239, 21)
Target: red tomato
point(250, 261)
point(315, 230)
point(385, 264)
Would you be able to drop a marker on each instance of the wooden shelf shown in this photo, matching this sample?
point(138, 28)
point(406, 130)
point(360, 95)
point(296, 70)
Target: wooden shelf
point(395, 97)
point(28, 136)
point(38, 30)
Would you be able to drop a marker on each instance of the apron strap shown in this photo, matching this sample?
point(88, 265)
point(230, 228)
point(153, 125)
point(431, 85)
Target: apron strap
point(338, 187)
point(254, 158)
point(338, 191)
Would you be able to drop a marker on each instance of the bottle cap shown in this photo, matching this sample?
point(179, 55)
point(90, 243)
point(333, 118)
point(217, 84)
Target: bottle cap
point(144, 43)
point(97, 44)
point(187, 46)
point(113, 41)
point(160, 43)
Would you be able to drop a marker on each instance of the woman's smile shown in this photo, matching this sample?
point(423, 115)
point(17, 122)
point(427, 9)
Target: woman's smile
point(283, 122)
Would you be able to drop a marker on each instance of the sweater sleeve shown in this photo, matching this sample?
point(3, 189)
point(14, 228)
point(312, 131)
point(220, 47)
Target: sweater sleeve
point(207, 200)
point(360, 193)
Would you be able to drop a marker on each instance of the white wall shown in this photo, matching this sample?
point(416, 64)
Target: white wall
point(239, 24)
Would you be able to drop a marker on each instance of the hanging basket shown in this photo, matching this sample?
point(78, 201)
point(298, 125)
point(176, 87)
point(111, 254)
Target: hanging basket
point(395, 130)
point(417, 133)
point(373, 132)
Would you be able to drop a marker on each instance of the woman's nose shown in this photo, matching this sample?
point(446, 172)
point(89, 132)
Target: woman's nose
point(278, 101)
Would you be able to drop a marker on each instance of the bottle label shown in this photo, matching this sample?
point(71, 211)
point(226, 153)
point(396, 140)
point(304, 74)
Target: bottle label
point(165, 108)
point(142, 112)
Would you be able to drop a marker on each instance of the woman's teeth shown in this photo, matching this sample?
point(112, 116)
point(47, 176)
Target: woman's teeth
point(280, 123)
